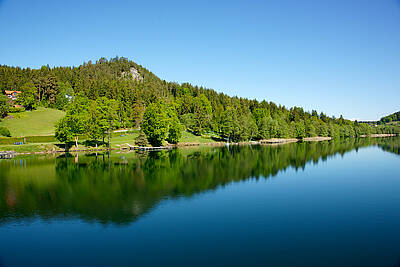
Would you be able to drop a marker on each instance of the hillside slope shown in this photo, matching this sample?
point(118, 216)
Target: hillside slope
point(38, 122)
point(395, 117)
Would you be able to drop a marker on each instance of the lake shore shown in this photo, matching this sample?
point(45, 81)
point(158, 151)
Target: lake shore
point(52, 149)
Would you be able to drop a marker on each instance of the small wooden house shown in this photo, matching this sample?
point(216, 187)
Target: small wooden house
point(12, 94)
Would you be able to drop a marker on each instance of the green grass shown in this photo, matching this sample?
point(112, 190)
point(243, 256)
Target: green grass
point(38, 122)
point(116, 141)
point(126, 138)
point(30, 147)
point(188, 137)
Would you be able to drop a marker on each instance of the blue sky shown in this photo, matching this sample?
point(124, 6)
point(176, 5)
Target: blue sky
point(339, 56)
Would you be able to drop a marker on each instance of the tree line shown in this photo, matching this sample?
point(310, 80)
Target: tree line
point(118, 93)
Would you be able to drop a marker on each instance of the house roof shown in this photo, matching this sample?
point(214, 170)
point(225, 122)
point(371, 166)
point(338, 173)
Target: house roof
point(9, 92)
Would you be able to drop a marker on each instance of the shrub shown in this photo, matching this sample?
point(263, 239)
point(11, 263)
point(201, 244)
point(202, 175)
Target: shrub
point(4, 131)
point(16, 109)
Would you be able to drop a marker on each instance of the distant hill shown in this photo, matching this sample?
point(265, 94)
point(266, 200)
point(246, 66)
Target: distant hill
point(390, 119)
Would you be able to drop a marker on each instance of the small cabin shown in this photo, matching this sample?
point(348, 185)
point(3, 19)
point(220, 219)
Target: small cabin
point(12, 94)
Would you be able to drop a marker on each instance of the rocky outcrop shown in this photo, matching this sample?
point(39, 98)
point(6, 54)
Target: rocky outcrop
point(134, 74)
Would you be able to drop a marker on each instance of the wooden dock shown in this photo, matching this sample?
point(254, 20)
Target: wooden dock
point(7, 154)
point(148, 148)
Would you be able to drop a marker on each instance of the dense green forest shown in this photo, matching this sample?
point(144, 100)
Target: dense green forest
point(119, 93)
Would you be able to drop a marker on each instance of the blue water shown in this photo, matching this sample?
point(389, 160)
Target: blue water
point(341, 211)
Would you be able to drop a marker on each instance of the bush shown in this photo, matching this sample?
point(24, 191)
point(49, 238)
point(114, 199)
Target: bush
point(16, 109)
point(4, 132)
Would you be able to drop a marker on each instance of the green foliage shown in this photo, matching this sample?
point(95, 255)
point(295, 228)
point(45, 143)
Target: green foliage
point(16, 110)
point(395, 117)
point(4, 131)
point(299, 129)
point(4, 106)
point(175, 130)
point(141, 140)
point(122, 89)
point(94, 128)
point(77, 115)
point(137, 113)
point(188, 121)
point(105, 111)
point(310, 129)
point(28, 96)
point(155, 123)
point(228, 124)
point(64, 132)
point(64, 95)
point(202, 114)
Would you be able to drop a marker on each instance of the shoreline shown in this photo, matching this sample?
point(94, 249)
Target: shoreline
point(127, 147)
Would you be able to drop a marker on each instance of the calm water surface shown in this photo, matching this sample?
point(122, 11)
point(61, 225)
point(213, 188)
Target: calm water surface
point(307, 204)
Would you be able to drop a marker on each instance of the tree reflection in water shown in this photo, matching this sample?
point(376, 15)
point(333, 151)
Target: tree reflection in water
point(118, 188)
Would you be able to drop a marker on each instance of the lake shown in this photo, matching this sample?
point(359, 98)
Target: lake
point(332, 203)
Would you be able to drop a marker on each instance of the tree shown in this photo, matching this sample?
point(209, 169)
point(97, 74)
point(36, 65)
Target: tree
point(202, 113)
point(175, 130)
point(137, 112)
point(64, 131)
point(155, 123)
point(28, 96)
point(252, 128)
point(265, 128)
point(4, 106)
point(106, 110)
point(64, 96)
point(77, 115)
point(188, 120)
point(228, 123)
point(259, 114)
point(299, 129)
point(94, 130)
point(310, 129)
point(141, 140)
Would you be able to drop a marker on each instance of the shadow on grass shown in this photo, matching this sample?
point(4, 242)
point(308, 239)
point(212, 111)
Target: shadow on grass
point(92, 143)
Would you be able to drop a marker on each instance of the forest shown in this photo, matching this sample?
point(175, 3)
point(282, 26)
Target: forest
point(120, 94)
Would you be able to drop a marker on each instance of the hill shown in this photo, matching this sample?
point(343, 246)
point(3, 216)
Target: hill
point(133, 89)
point(38, 122)
point(392, 118)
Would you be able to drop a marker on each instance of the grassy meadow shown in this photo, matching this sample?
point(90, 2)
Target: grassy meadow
point(38, 122)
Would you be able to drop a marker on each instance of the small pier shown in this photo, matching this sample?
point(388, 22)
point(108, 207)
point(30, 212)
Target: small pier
point(148, 148)
point(7, 154)
point(151, 148)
